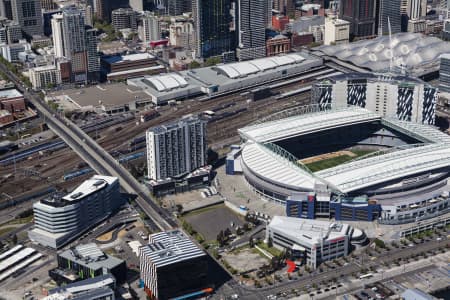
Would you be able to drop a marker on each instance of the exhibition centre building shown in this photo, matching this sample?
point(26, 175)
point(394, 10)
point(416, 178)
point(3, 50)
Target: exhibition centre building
point(347, 163)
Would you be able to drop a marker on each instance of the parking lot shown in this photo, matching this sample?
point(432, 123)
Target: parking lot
point(210, 221)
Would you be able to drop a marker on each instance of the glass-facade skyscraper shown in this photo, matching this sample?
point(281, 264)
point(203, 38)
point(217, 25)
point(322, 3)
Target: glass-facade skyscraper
point(214, 26)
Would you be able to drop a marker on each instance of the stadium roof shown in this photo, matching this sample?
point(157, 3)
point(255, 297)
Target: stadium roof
point(271, 166)
point(270, 162)
point(170, 247)
point(305, 124)
point(414, 51)
point(368, 172)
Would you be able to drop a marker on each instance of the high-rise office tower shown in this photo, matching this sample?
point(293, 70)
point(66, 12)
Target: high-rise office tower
point(151, 30)
point(213, 23)
point(251, 29)
point(104, 8)
point(444, 73)
point(417, 9)
point(29, 15)
point(176, 148)
point(390, 10)
point(73, 40)
point(6, 9)
point(178, 7)
point(362, 16)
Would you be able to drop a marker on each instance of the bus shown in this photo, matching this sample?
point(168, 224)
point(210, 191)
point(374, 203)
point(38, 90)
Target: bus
point(368, 275)
point(25, 136)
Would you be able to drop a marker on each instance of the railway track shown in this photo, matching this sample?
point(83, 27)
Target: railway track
point(218, 131)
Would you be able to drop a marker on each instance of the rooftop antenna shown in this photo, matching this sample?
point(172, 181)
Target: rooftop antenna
point(391, 63)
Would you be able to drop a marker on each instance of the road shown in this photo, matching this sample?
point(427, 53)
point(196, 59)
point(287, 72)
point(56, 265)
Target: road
point(100, 160)
point(317, 278)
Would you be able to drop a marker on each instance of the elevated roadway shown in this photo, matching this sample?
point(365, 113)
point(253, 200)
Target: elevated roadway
point(98, 159)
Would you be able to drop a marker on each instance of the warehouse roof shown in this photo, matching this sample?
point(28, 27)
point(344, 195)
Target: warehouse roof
point(104, 94)
point(242, 69)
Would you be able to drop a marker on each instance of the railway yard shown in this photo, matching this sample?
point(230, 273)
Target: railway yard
point(32, 167)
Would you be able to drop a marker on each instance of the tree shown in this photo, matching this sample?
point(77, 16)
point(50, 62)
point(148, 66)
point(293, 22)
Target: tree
point(194, 65)
point(270, 243)
point(212, 61)
point(221, 238)
point(251, 243)
point(14, 239)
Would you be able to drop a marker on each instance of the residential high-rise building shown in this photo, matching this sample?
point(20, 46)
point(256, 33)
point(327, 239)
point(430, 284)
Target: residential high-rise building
point(444, 73)
point(10, 32)
point(362, 16)
point(417, 9)
point(124, 18)
point(57, 220)
point(93, 56)
point(57, 35)
point(151, 30)
point(74, 40)
point(181, 34)
point(390, 11)
point(172, 265)
point(215, 34)
point(251, 29)
point(176, 148)
point(29, 15)
point(89, 16)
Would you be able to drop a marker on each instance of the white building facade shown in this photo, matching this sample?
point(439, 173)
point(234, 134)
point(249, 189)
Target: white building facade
point(312, 241)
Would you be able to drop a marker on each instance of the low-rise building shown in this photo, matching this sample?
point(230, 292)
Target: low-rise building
point(12, 100)
point(10, 52)
point(88, 261)
point(280, 44)
point(417, 26)
point(59, 220)
point(312, 241)
point(44, 76)
point(104, 293)
point(172, 265)
point(5, 117)
point(105, 98)
point(127, 66)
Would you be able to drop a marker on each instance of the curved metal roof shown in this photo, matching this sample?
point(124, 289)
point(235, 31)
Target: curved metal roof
point(245, 68)
point(269, 166)
point(409, 49)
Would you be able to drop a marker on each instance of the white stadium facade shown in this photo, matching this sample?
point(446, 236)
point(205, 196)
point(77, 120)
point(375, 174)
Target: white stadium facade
point(402, 178)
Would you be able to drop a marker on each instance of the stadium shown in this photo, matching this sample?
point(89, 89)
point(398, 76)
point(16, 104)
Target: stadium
point(346, 163)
